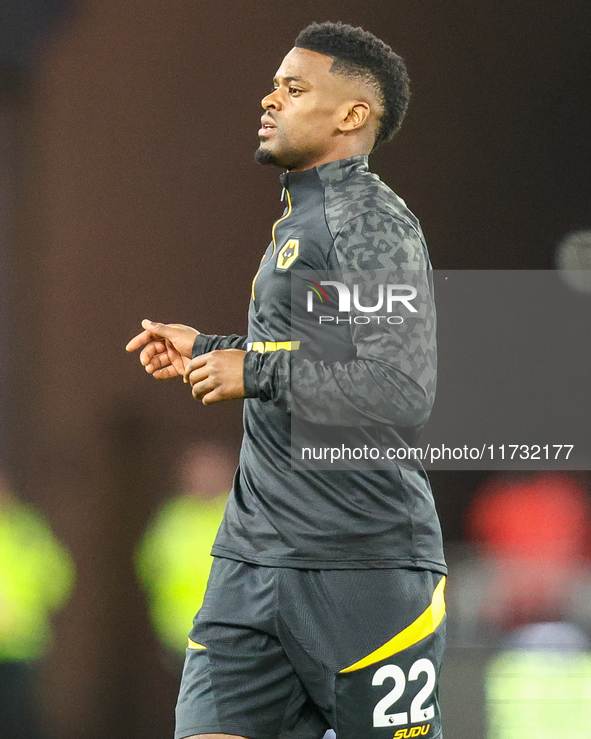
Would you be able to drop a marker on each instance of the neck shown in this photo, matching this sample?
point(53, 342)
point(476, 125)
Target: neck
point(341, 152)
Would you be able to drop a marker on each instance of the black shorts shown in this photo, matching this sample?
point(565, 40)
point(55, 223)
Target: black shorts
point(282, 653)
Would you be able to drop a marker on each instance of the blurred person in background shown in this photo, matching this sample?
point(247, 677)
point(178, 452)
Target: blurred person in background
point(530, 590)
point(36, 579)
point(174, 556)
point(534, 532)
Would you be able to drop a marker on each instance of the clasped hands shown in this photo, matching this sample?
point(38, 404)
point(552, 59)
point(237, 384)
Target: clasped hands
point(166, 353)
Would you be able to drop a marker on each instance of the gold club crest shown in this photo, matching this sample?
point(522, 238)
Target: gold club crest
point(288, 254)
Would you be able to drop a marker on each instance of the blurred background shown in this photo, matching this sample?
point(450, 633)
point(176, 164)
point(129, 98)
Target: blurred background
point(128, 190)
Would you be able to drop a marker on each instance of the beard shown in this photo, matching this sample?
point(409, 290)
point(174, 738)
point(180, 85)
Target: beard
point(287, 157)
point(286, 160)
point(264, 156)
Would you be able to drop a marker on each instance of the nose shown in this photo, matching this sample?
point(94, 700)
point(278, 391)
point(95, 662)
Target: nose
point(271, 101)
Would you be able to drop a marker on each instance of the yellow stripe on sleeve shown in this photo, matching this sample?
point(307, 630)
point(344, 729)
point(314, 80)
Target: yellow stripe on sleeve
point(272, 346)
point(194, 645)
point(291, 346)
point(424, 625)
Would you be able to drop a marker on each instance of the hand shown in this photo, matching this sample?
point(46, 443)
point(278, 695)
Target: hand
point(167, 349)
point(217, 375)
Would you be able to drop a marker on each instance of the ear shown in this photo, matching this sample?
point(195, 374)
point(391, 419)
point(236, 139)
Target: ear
point(356, 114)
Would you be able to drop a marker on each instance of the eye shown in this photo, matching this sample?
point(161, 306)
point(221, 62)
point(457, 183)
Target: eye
point(294, 90)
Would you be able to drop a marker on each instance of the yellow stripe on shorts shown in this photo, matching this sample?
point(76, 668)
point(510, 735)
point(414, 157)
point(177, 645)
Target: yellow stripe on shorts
point(424, 625)
point(194, 645)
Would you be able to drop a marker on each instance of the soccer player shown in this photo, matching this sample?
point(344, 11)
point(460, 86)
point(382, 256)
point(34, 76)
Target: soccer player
point(325, 603)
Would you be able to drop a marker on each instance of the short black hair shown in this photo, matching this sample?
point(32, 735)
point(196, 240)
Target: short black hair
point(358, 53)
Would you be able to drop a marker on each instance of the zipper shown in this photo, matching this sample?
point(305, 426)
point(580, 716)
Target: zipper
point(277, 222)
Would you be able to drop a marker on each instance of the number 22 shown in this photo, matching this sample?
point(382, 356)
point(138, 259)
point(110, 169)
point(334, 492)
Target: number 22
point(417, 712)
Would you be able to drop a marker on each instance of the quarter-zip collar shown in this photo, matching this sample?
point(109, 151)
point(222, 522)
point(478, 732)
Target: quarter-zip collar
point(337, 171)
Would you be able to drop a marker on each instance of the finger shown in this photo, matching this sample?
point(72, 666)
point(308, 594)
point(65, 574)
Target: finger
point(151, 350)
point(143, 338)
point(201, 388)
point(194, 364)
point(158, 361)
point(215, 396)
point(167, 358)
point(160, 330)
point(198, 375)
point(165, 373)
point(178, 362)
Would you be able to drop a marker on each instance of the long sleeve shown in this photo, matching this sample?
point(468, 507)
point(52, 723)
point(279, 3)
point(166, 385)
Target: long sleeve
point(392, 378)
point(208, 342)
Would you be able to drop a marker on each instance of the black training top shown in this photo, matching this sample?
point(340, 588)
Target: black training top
point(372, 382)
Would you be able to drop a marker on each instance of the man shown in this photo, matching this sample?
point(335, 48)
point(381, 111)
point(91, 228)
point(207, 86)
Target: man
point(325, 603)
